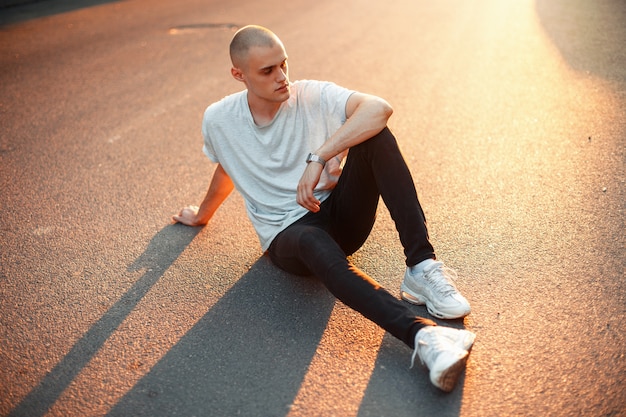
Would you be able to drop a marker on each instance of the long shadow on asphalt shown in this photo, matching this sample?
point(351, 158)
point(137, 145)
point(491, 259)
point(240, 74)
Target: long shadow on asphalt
point(16, 11)
point(164, 248)
point(396, 390)
point(578, 28)
point(247, 356)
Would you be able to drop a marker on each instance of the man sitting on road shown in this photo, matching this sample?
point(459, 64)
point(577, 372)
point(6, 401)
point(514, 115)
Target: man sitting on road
point(281, 145)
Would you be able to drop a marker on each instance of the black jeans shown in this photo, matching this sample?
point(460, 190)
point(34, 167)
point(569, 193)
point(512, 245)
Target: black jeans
point(319, 243)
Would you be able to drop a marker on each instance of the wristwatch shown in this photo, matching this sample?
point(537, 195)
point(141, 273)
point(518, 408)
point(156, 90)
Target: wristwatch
point(315, 158)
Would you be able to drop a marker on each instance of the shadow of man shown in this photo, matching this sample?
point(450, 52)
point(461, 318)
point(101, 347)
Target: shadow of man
point(164, 248)
point(247, 356)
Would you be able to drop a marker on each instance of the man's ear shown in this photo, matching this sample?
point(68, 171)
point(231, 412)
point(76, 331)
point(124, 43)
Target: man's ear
point(237, 74)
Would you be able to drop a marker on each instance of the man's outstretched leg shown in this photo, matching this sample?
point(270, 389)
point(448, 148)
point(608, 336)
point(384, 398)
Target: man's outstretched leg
point(306, 249)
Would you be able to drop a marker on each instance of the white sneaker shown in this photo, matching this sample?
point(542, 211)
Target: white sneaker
point(439, 348)
point(463, 339)
point(435, 287)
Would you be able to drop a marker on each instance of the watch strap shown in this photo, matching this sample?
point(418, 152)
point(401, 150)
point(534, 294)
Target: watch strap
point(315, 158)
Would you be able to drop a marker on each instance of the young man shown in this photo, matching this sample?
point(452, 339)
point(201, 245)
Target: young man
point(281, 145)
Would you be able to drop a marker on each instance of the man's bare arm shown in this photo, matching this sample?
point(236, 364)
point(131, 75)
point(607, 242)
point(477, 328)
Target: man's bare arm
point(220, 188)
point(367, 116)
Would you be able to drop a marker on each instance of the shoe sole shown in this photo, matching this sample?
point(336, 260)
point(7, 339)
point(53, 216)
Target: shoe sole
point(420, 301)
point(448, 378)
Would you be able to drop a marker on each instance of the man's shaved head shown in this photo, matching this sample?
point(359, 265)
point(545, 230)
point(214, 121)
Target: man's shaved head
point(248, 37)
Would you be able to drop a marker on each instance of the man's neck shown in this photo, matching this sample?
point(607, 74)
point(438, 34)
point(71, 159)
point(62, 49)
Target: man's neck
point(263, 111)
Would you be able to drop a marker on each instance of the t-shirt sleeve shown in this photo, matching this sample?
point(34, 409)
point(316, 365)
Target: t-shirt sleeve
point(208, 147)
point(335, 98)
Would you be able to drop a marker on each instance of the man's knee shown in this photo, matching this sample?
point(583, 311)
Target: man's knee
point(314, 239)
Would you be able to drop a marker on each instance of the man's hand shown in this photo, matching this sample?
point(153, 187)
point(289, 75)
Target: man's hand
point(307, 184)
point(187, 216)
point(220, 187)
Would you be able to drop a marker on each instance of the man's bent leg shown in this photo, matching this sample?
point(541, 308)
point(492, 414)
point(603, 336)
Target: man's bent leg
point(375, 168)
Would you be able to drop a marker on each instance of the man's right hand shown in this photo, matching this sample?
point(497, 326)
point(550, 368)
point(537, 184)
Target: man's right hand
point(221, 186)
point(187, 216)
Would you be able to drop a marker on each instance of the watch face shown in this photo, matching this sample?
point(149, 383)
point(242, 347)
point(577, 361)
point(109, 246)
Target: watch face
point(315, 158)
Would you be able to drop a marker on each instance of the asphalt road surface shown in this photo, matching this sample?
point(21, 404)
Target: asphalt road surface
point(511, 115)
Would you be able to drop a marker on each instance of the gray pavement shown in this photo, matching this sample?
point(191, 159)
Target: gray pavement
point(511, 115)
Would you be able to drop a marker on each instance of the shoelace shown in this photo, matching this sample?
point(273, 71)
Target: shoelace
point(414, 355)
point(442, 278)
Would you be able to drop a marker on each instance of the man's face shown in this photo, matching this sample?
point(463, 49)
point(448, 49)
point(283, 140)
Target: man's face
point(266, 74)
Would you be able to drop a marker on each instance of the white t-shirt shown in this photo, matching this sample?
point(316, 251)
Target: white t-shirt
point(266, 163)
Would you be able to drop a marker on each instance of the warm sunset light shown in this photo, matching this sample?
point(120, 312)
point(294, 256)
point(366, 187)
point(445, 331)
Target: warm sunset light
point(173, 241)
